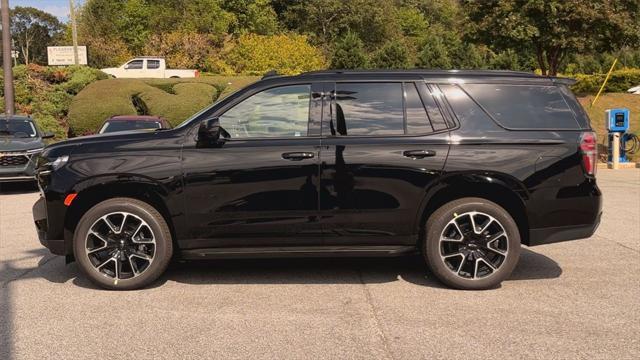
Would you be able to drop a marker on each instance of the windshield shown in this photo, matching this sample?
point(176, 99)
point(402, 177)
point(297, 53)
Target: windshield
point(127, 125)
point(17, 128)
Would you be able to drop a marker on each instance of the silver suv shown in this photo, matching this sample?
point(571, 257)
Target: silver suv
point(20, 140)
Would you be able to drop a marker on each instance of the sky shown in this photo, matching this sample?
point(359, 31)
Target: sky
point(59, 8)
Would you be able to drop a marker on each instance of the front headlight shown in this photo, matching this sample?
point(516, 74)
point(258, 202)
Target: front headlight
point(59, 162)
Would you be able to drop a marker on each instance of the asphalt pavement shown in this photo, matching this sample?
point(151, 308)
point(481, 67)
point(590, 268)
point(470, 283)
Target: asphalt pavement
point(577, 299)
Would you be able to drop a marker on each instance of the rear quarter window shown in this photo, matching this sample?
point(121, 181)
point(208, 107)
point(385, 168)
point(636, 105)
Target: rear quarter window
point(525, 106)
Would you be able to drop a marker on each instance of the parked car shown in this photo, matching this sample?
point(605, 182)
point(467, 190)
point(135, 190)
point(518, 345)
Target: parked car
point(460, 166)
point(133, 122)
point(634, 90)
point(148, 67)
point(20, 142)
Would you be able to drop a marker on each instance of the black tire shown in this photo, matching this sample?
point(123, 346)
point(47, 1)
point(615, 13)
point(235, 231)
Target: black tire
point(159, 230)
point(452, 274)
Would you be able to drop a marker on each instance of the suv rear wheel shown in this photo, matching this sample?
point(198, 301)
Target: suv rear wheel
point(122, 244)
point(471, 243)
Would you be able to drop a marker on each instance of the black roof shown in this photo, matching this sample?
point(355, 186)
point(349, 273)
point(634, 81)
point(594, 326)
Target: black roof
point(439, 75)
point(427, 72)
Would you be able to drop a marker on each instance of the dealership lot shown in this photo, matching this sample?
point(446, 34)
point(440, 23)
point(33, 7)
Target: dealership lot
point(577, 299)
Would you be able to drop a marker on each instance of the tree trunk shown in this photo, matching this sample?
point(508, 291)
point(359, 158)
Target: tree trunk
point(540, 58)
point(553, 59)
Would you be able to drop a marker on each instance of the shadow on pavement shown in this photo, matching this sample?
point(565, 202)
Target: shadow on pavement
point(22, 187)
point(532, 266)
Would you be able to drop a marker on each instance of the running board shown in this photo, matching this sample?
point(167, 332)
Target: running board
point(297, 251)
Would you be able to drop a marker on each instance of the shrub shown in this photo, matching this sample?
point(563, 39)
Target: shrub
point(620, 81)
point(434, 54)
point(81, 76)
point(46, 93)
point(174, 99)
point(103, 52)
point(393, 55)
point(349, 53)
point(287, 54)
point(181, 49)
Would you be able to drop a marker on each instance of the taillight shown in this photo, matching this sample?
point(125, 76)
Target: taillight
point(589, 150)
point(197, 73)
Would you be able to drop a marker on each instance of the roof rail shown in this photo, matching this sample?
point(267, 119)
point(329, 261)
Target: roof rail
point(422, 71)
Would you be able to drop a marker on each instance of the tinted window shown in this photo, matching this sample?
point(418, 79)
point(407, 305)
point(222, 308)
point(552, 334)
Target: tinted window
point(467, 111)
point(574, 104)
point(437, 120)
point(368, 109)
point(127, 125)
point(153, 64)
point(17, 128)
point(417, 120)
point(524, 106)
point(135, 64)
point(277, 112)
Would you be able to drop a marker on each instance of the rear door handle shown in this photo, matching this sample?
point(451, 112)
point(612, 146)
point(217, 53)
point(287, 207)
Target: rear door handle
point(297, 156)
point(419, 154)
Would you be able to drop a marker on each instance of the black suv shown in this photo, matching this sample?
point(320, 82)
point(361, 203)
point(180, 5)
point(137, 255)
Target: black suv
point(460, 166)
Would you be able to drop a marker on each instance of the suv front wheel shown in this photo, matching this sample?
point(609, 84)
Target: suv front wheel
point(471, 243)
point(122, 244)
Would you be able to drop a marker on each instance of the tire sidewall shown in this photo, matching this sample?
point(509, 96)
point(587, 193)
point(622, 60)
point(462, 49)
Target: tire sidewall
point(163, 250)
point(441, 217)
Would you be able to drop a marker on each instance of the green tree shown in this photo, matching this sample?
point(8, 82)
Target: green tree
point(33, 30)
point(469, 56)
point(254, 16)
point(349, 53)
point(554, 28)
point(505, 60)
point(393, 55)
point(434, 54)
point(374, 21)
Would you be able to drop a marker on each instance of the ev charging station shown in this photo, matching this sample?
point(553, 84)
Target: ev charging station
point(617, 121)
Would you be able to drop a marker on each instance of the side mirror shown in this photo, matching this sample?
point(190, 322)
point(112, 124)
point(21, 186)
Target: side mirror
point(211, 134)
point(48, 135)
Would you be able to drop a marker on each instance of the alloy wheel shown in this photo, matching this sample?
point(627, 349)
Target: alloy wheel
point(474, 245)
point(120, 245)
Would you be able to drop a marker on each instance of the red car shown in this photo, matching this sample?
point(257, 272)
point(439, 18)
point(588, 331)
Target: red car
point(133, 122)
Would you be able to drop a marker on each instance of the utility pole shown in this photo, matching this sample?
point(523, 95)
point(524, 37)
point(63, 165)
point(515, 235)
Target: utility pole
point(9, 106)
point(74, 31)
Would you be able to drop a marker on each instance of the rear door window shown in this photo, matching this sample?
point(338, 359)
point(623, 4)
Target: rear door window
point(383, 109)
point(153, 64)
point(368, 109)
point(524, 106)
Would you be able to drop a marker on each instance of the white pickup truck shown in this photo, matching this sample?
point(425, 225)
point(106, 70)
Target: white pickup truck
point(148, 67)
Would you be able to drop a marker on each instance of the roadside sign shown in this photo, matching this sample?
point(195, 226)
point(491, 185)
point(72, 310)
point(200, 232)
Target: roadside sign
point(63, 55)
point(15, 54)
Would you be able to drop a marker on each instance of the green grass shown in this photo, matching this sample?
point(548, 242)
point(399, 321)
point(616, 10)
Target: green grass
point(173, 99)
point(612, 101)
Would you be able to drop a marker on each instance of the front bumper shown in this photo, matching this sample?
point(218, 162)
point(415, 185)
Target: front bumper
point(56, 246)
point(16, 166)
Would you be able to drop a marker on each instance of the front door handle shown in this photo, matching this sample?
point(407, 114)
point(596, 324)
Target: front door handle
point(297, 156)
point(419, 154)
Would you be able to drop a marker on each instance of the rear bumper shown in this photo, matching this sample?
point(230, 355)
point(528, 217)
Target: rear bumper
point(56, 246)
point(562, 233)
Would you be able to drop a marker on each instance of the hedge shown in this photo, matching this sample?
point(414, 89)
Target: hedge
point(173, 99)
point(620, 81)
point(45, 93)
